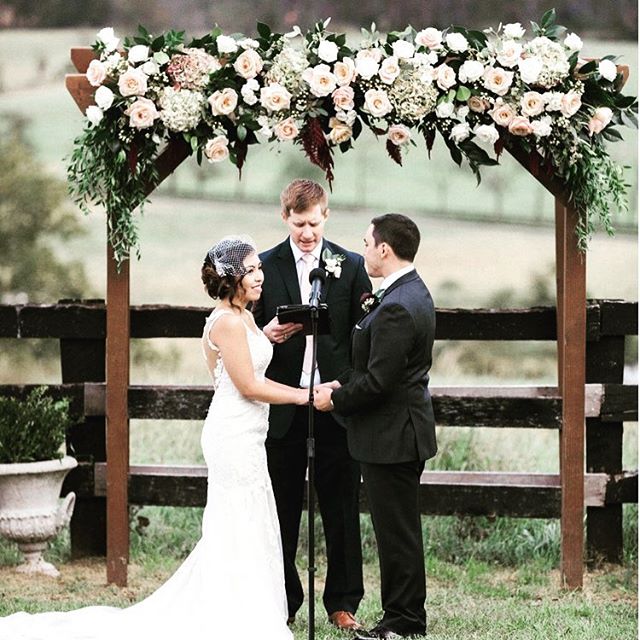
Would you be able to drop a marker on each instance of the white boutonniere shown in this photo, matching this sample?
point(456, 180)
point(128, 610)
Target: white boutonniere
point(332, 262)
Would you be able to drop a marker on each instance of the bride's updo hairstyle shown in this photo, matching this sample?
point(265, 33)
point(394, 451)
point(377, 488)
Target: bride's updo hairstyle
point(223, 268)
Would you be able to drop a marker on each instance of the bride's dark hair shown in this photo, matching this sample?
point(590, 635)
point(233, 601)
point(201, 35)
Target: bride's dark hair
point(225, 287)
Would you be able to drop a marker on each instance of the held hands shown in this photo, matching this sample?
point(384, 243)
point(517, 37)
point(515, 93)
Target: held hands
point(322, 395)
point(279, 333)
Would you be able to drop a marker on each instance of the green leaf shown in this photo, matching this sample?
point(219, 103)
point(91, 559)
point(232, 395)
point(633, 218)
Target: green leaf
point(590, 67)
point(463, 93)
point(548, 19)
point(264, 30)
point(161, 57)
point(241, 132)
point(158, 43)
point(612, 134)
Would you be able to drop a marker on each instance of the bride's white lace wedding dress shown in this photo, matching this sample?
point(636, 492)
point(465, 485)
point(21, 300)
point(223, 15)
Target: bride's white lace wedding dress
point(232, 583)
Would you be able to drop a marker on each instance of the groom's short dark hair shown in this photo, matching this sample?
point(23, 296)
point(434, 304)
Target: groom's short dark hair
point(399, 232)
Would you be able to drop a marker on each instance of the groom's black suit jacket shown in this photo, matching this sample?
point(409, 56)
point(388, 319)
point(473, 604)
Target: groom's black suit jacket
point(342, 296)
point(386, 397)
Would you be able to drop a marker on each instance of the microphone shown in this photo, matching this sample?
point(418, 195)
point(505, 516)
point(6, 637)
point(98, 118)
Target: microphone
point(317, 278)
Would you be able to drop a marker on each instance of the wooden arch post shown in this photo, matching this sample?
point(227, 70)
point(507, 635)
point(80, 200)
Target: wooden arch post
point(117, 350)
point(571, 341)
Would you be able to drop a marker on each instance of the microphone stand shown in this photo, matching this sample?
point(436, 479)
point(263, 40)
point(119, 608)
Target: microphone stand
point(311, 454)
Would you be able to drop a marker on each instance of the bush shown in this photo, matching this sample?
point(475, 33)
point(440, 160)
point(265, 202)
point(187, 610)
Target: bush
point(32, 429)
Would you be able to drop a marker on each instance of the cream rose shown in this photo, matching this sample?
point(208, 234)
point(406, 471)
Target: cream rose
point(286, 130)
point(445, 76)
point(502, 113)
point(399, 134)
point(142, 113)
point(520, 126)
point(600, 119)
point(96, 73)
point(217, 149)
point(344, 71)
point(248, 64)
point(510, 53)
point(389, 70)
point(328, 51)
point(320, 79)
point(497, 80)
point(532, 103)
point(340, 131)
point(343, 98)
point(223, 102)
point(132, 82)
point(570, 104)
point(429, 37)
point(275, 97)
point(104, 97)
point(377, 102)
point(478, 104)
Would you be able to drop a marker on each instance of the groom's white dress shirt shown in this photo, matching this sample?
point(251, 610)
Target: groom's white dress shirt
point(396, 275)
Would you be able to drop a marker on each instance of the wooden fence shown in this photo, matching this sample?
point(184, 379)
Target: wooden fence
point(81, 329)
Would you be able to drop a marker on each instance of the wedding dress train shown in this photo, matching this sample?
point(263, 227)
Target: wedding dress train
point(232, 583)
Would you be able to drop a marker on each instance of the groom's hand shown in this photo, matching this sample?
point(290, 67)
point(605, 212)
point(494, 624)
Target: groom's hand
point(322, 398)
point(280, 333)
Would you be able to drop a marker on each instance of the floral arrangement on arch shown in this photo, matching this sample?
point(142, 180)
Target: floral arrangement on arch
point(481, 91)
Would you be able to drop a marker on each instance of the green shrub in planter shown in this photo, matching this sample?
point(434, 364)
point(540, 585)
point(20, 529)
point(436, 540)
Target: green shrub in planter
point(32, 429)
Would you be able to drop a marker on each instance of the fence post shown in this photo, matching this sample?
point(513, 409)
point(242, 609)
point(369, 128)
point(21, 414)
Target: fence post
point(605, 363)
point(82, 360)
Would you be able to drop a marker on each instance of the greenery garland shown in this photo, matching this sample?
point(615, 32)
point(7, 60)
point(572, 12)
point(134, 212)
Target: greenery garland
point(480, 91)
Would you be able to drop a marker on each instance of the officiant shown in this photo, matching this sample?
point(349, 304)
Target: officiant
point(304, 211)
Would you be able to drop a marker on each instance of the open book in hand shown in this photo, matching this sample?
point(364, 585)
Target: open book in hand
point(301, 314)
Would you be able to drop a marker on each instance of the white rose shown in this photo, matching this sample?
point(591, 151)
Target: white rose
point(457, 42)
point(150, 67)
point(248, 43)
point(108, 39)
point(337, 271)
point(486, 134)
point(248, 64)
point(343, 98)
point(542, 127)
point(399, 134)
point(445, 110)
point(497, 80)
point(532, 103)
point(340, 132)
point(460, 132)
point(377, 102)
point(502, 113)
point(608, 70)
point(344, 71)
point(430, 38)
point(510, 53)
point(133, 82)
point(94, 114)
point(349, 117)
point(142, 113)
point(573, 42)
point(389, 70)
point(320, 79)
point(328, 51)
point(428, 75)
point(223, 102)
point(445, 76)
point(553, 100)
point(570, 104)
point(138, 53)
point(366, 67)
point(275, 97)
point(530, 69)
point(286, 130)
point(226, 44)
point(470, 71)
point(403, 49)
point(96, 73)
point(513, 30)
point(217, 149)
point(104, 97)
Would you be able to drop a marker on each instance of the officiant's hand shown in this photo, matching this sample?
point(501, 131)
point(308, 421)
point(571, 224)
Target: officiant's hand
point(322, 398)
point(280, 333)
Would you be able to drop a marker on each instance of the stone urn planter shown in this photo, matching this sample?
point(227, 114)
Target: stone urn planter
point(31, 513)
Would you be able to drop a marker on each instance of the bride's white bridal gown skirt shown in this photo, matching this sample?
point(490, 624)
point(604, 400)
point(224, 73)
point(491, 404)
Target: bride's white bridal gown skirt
point(232, 583)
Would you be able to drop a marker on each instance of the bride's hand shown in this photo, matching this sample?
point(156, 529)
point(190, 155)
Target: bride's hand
point(302, 396)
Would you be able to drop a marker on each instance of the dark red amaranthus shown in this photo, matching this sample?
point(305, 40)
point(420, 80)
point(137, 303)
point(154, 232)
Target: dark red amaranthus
point(394, 152)
point(316, 147)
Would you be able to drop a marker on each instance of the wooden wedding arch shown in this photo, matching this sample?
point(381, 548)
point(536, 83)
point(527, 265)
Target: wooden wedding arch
point(571, 346)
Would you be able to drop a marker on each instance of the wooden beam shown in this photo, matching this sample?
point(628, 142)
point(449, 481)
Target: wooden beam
point(117, 385)
point(81, 58)
point(571, 276)
point(80, 89)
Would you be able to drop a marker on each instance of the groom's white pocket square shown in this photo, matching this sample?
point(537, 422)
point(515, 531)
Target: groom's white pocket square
point(358, 327)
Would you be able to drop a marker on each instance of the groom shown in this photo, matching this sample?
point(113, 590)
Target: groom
point(390, 424)
point(337, 475)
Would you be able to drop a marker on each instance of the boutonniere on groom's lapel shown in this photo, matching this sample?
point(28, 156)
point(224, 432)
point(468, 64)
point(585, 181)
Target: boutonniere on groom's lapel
point(332, 262)
point(369, 301)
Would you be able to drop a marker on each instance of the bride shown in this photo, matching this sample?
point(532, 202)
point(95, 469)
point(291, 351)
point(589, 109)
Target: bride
point(232, 583)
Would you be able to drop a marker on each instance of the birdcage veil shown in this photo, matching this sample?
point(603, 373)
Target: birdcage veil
point(227, 256)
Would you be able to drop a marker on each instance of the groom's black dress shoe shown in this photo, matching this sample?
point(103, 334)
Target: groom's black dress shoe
point(377, 633)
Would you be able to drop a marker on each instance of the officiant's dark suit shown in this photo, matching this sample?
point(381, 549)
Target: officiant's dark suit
point(337, 475)
point(391, 431)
